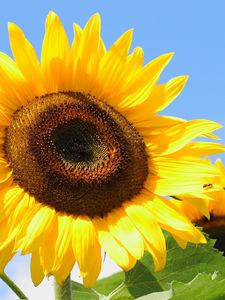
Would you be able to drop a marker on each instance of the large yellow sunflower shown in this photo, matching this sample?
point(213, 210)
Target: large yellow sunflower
point(84, 159)
point(210, 211)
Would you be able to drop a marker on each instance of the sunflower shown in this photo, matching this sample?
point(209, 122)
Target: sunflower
point(210, 211)
point(85, 161)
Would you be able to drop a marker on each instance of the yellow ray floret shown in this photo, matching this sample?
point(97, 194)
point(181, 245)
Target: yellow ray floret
point(211, 203)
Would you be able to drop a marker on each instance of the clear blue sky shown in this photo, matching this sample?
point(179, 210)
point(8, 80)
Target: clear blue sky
point(193, 29)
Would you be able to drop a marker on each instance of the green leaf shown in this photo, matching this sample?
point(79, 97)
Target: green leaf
point(103, 287)
point(203, 286)
point(79, 292)
point(158, 296)
point(107, 285)
point(182, 265)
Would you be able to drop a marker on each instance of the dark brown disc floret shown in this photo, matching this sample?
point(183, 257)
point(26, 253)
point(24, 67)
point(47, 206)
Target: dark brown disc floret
point(75, 154)
point(215, 228)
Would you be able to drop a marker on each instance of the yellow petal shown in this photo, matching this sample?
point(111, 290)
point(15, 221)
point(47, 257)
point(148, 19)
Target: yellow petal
point(150, 73)
point(64, 269)
point(90, 36)
point(159, 258)
point(5, 172)
point(87, 250)
point(13, 83)
point(77, 30)
point(111, 69)
point(47, 251)
point(122, 45)
point(7, 235)
point(171, 176)
point(6, 255)
point(125, 232)
point(38, 229)
point(200, 204)
point(167, 167)
point(26, 59)
point(167, 186)
point(140, 96)
point(171, 220)
point(188, 210)
point(4, 118)
point(164, 94)
point(64, 238)
point(10, 198)
point(148, 227)
point(36, 270)
point(56, 57)
point(24, 214)
point(7, 106)
point(200, 149)
point(115, 250)
point(64, 254)
point(155, 124)
point(220, 166)
point(182, 243)
point(86, 59)
point(136, 59)
point(176, 137)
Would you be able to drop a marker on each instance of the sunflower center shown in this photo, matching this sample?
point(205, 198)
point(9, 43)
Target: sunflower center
point(215, 227)
point(76, 154)
point(77, 141)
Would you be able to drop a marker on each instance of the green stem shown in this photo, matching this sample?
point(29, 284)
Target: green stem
point(13, 286)
point(63, 292)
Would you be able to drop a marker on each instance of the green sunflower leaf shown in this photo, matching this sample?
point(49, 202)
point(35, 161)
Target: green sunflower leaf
point(107, 285)
point(103, 287)
point(203, 286)
point(158, 296)
point(182, 266)
point(79, 292)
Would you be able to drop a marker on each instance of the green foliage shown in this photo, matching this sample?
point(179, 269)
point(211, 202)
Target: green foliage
point(184, 274)
point(81, 293)
point(203, 286)
point(107, 285)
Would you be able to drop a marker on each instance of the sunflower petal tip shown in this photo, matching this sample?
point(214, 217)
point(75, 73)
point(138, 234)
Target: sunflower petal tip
point(12, 27)
point(185, 78)
point(37, 282)
point(171, 54)
point(96, 19)
point(76, 27)
point(182, 80)
point(97, 16)
point(218, 126)
point(131, 30)
point(52, 14)
point(130, 33)
point(50, 17)
point(10, 24)
point(203, 240)
point(218, 162)
point(168, 56)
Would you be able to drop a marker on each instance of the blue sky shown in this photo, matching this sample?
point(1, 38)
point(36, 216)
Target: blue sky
point(194, 30)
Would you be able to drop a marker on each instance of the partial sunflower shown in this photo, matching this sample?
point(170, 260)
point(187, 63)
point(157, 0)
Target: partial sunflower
point(210, 212)
point(84, 158)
